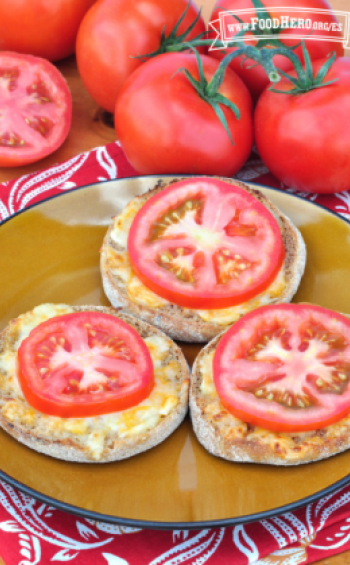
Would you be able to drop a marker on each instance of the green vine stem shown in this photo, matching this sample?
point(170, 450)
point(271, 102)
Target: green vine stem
point(303, 82)
point(175, 43)
point(261, 55)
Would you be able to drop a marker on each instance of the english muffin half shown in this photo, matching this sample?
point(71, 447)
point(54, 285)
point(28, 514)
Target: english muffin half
point(275, 388)
point(101, 438)
point(124, 288)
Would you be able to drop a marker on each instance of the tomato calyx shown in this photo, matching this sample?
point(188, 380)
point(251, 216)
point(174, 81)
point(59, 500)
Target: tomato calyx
point(174, 42)
point(305, 80)
point(209, 92)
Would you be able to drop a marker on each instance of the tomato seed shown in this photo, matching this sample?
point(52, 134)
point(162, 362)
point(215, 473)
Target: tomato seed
point(73, 382)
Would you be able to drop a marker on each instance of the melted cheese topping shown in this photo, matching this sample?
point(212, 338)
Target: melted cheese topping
point(288, 446)
point(118, 262)
point(91, 433)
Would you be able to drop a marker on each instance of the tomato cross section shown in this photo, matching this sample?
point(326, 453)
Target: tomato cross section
point(203, 243)
point(286, 367)
point(84, 364)
point(35, 109)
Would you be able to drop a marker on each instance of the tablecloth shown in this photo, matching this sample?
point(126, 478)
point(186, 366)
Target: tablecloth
point(33, 533)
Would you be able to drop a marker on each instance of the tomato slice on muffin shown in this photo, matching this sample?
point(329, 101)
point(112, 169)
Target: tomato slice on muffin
point(84, 364)
point(203, 243)
point(286, 367)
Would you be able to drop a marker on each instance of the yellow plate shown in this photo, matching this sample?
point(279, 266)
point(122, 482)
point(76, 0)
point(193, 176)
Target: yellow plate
point(50, 253)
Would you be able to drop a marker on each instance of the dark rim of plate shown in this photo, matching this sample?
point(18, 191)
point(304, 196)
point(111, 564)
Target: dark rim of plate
point(145, 524)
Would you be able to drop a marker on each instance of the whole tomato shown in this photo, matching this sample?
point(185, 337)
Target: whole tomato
point(254, 75)
point(164, 126)
point(43, 28)
point(114, 32)
point(304, 139)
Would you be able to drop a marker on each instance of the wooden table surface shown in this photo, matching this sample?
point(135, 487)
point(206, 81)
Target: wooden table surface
point(92, 127)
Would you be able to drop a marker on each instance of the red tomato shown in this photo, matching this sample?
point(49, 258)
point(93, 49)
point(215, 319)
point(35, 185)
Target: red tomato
point(114, 32)
point(304, 139)
point(203, 243)
point(40, 27)
point(254, 75)
point(286, 367)
point(84, 364)
point(35, 109)
point(165, 127)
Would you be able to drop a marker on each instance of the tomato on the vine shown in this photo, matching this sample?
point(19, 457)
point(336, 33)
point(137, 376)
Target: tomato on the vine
point(204, 243)
point(304, 139)
point(84, 364)
point(114, 33)
point(41, 28)
point(35, 109)
point(318, 11)
point(286, 367)
point(165, 126)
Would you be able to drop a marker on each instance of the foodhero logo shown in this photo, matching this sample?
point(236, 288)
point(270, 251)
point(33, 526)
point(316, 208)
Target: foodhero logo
point(315, 24)
point(284, 23)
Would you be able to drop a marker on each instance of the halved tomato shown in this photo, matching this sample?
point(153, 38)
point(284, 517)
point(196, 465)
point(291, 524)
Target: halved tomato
point(286, 367)
point(84, 364)
point(204, 243)
point(35, 109)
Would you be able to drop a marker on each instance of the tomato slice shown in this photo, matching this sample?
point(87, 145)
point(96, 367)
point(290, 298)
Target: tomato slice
point(204, 243)
point(35, 109)
point(286, 367)
point(84, 364)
